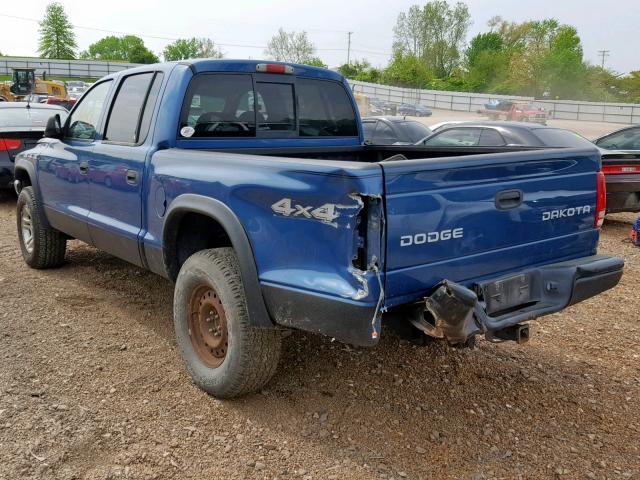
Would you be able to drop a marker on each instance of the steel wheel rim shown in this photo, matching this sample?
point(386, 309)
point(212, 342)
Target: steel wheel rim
point(26, 226)
point(208, 326)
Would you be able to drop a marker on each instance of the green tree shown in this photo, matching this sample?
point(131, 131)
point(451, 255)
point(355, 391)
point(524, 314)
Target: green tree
point(316, 62)
point(486, 61)
point(434, 34)
point(128, 48)
point(360, 70)
point(193, 47)
point(57, 39)
point(407, 71)
point(294, 47)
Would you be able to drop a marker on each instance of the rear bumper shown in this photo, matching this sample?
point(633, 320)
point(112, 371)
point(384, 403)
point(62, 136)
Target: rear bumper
point(459, 312)
point(623, 193)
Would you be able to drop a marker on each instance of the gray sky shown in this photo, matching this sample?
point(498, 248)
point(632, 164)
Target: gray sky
point(244, 27)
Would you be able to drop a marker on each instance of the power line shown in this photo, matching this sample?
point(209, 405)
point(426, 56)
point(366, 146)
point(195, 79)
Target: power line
point(603, 54)
point(174, 38)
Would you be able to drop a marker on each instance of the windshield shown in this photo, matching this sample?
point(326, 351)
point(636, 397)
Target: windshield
point(560, 138)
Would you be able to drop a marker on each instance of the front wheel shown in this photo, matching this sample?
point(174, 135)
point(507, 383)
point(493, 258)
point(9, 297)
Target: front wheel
point(42, 246)
point(224, 354)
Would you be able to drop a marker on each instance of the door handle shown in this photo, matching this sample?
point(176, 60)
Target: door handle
point(132, 177)
point(84, 168)
point(508, 199)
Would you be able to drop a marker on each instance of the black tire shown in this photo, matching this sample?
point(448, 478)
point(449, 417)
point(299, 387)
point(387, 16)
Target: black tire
point(251, 357)
point(45, 246)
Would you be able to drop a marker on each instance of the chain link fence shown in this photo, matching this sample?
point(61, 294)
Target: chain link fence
point(470, 102)
point(63, 68)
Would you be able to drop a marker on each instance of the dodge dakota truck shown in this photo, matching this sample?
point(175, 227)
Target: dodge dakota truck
point(248, 184)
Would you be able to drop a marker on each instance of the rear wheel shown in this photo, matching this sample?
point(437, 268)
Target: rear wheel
point(41, 246)
point(223, 353)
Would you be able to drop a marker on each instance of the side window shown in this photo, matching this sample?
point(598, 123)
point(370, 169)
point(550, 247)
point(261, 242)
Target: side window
point(84, 119)
point(368, 127)
point(149, 105)
point(124, 118)
point(455, 137)
point(384, 135)
point(491, 138)
point(279, 113)
point(218, 105)
point(325, 109)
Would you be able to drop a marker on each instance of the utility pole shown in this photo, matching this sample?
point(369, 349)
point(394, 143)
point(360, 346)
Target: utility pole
point(603, 54)
point(349, 47)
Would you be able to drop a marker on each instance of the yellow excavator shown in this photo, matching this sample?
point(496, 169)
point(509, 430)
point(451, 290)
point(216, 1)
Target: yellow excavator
point(26, 83)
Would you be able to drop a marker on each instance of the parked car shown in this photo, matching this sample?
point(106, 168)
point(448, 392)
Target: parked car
point(66, 103)
point(495, 134)
point(516, 111)
point(414, 110)
point(21, 126)
point(77, 86)
point(384, 107)
point(621, 165)
point(286, 220)
point(621, 169)
point(393, 130)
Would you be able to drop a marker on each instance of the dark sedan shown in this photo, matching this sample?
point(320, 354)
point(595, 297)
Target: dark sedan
point(414, 110)
point(621, 166)
point(499, 134)
point(393, 131)
point(21, 126)
point(623, 184)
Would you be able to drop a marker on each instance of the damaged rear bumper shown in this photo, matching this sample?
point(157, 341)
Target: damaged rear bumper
point(456, 312)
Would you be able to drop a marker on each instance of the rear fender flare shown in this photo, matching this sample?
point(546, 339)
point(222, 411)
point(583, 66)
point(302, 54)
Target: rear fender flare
point(221, 213)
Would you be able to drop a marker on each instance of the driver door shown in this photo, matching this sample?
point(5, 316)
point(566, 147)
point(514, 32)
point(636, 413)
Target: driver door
point(63, 167)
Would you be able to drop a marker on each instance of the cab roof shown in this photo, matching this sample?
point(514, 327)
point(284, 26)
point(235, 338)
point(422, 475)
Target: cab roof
point(203, 65)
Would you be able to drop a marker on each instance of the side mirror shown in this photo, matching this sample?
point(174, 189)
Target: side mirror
point(54, 127)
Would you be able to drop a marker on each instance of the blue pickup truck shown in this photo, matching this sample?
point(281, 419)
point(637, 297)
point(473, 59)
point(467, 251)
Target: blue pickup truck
point(248, 184)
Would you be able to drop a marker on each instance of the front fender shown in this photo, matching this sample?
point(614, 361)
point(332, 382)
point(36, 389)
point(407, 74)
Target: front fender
point(221, 213)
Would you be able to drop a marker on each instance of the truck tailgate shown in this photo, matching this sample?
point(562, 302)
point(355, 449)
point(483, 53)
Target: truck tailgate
point(470, 218)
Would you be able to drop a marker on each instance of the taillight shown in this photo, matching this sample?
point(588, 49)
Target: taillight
point(620, 169)
point(601, 200)
point(274, 68)
point(9, 144)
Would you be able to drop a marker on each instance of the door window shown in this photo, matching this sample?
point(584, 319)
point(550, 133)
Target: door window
point(491, 138)
point(369, 127)
point(84, 119)
point(124, 118)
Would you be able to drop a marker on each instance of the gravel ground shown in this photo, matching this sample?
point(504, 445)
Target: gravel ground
point(92, 387)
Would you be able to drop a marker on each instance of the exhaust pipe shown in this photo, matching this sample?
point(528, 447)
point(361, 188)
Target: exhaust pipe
point(517, 333)
point(17, 186)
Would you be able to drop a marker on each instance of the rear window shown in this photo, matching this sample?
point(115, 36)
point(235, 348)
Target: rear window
point(33, 117)
point(559, 138)
point(414, 131)
point(219, 106)
point(325, 109)
point(226, 105)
